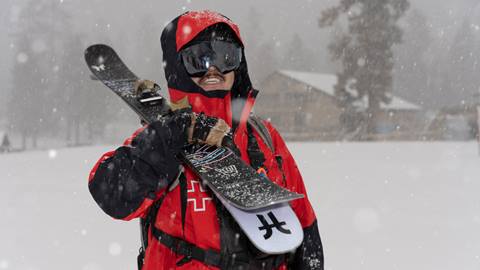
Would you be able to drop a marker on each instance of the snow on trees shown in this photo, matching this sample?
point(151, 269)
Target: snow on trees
point(365, 50)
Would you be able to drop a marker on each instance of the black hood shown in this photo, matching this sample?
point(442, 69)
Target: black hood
point(178, 79)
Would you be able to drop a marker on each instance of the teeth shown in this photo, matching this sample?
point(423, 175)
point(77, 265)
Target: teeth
point(212, 80)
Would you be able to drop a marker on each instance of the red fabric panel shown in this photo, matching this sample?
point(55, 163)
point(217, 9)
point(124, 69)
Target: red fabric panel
point(241, 136)
point(105, 156)
point(130, 139)
point(217, 107)
point(194, 22)
point(141, 211)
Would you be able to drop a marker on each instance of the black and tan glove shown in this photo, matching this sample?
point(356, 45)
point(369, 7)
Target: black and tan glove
point(207, 130)
point(203, 129)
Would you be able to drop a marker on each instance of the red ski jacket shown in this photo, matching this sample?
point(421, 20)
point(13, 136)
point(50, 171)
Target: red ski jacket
point(122, 193)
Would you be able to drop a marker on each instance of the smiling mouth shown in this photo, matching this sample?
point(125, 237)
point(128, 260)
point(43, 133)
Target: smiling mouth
point(212, 79)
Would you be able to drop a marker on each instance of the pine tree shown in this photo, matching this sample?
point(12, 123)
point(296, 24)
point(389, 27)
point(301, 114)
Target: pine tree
point(25, 110)
point(36, 92)
point(51, 93)
point(365, 51)
point(413, 65)
point(78, 103)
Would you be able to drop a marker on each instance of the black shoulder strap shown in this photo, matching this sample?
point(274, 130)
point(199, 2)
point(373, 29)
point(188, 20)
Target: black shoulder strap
point(150, 219)
point(183, 199)
point(147, 222)
point(256, 123)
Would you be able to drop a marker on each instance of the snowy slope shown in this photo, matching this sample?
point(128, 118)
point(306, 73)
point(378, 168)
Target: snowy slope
point(379, 206)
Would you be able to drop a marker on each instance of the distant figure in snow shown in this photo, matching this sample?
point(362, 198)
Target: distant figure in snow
point(5, 146)
point(206, 71)
point(478, 128)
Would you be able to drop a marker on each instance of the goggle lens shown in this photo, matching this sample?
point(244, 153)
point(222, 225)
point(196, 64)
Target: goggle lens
point(198, 58)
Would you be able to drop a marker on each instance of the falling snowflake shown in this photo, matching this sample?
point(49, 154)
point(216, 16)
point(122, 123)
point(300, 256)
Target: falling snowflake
point(187, 29)
point(22, 58)
point(115, 249)
point(361, 62)
point(52, 153)
point(4, 264)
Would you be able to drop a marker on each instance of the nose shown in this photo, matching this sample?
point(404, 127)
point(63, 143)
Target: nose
point(212, 70)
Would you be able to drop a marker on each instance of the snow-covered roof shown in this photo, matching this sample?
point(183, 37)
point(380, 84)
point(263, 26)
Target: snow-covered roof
point(325, 83)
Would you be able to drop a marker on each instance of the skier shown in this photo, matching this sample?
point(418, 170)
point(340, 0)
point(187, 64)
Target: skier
point(189, 228)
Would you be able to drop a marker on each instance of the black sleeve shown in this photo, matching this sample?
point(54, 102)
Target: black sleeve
point(309, 255)
point(122, 182)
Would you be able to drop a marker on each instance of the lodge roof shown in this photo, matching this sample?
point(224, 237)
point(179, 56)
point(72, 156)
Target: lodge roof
point(325, 83)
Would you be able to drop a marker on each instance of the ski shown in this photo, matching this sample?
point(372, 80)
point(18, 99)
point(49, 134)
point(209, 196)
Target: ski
point(222, 169)
point(106, 66)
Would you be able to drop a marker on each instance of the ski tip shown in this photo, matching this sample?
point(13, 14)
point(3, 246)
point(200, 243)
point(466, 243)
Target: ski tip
point(96, 55)
point(96, 50)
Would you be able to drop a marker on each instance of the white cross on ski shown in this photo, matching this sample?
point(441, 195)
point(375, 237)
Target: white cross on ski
point(199, 195)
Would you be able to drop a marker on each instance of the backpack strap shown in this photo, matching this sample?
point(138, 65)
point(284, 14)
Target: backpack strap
point(214, 258)
point(147, 222)
point(183, 199)
point(257, 124)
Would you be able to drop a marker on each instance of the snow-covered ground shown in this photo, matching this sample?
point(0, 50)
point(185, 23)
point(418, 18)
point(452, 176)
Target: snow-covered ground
point(379, 205)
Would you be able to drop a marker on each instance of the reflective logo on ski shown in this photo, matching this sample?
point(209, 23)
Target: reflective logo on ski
point(228, 170)
point(200, 198)
point(100, 67)
point(275, 224)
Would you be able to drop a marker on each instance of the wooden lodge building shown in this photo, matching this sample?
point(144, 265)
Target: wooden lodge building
point(303, 106)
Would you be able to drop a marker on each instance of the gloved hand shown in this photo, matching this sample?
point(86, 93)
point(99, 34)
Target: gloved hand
point(169, 135)
point(208, 130)
point(204, 129)
point(211, 131)
point(157, 145)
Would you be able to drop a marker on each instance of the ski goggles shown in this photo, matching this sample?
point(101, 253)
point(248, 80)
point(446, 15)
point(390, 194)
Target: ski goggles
point(197, 58)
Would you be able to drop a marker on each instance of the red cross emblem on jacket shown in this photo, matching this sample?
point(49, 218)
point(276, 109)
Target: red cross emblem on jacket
point(197, 196)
